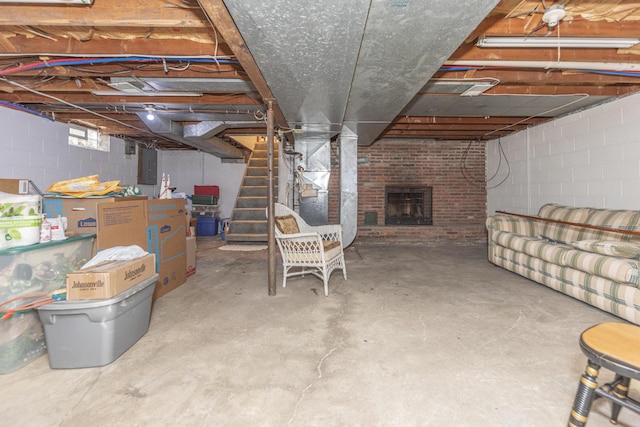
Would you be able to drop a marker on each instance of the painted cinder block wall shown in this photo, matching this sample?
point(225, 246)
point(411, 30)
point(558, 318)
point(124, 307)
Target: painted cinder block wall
point(38, 149)
point(454, 169)
point(589, 159)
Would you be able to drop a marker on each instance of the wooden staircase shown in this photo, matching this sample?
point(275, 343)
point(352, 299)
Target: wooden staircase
point(248, 222)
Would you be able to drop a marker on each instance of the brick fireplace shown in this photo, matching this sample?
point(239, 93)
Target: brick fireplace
point(452, 170)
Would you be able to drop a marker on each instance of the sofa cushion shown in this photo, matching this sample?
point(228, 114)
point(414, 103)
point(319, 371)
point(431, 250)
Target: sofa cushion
point(621, 270)
point(513, 224)
point(620, 219)
point(535, 247)
point(609, 247)
point(611, 218)
point(561, 232)
point(564, 213)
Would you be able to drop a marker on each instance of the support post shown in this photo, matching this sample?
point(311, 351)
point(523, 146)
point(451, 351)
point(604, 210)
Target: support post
point(270, 202)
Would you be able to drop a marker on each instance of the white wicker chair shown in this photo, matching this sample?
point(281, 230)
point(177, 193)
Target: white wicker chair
point(314, 250)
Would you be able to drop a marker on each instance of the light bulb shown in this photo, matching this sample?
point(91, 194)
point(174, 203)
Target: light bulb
point(150, 115)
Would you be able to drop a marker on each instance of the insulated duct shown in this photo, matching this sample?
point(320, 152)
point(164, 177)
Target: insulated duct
point(174, 130)
point(355, 64)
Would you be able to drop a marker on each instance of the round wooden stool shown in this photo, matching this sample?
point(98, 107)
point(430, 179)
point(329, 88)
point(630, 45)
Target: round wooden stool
point(613, 346)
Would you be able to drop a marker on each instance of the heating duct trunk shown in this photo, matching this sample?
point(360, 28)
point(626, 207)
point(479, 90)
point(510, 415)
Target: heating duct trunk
point(346, 69)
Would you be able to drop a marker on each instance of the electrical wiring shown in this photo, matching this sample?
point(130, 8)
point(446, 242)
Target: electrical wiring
point(25, 109)
point(502, 155)
point(86, 110)
point(583, 96)
point(465, 170)
point(60, 62)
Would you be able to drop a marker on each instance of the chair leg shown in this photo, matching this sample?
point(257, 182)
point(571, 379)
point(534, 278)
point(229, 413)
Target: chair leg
point(344, 268)
point(620, 389)
point(285, 270)
point(584, 396)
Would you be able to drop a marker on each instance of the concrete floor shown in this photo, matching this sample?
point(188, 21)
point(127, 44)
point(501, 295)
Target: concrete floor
point(418, 336)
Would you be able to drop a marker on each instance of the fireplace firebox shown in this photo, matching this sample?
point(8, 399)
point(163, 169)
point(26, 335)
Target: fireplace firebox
point(408, 205)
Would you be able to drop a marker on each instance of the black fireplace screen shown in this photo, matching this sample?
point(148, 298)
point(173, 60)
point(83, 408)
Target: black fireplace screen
point(408, 205)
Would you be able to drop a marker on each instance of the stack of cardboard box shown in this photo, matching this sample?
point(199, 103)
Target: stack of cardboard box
point(158, 226)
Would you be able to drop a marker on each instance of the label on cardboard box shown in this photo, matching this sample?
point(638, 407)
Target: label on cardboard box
point(109, 278)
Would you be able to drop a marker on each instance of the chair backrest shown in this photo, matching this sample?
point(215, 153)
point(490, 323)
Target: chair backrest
point(284, 211)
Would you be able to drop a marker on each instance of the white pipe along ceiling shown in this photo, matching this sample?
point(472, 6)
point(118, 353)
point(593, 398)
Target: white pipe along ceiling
point(349, 66)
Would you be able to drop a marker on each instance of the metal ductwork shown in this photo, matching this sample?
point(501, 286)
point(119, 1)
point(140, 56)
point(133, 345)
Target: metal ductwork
point(351, 63)
point(174, 130)
point(209, 128)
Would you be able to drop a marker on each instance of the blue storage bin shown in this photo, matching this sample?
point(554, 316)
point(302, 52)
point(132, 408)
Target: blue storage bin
point(207, 226)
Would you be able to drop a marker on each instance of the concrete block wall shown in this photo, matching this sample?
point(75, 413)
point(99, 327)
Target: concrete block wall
point(590, 158)
point(37, 149)
point(189, 168)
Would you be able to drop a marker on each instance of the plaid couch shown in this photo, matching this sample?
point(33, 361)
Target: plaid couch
point(599, 267)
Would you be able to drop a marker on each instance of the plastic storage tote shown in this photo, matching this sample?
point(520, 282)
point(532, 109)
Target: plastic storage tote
point(206, 190)
point(207, 226)
point(89, 333)
point(32, 270)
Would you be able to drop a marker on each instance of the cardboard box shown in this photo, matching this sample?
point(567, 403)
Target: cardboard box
point(122, 224)
point(14, 186)
point(157, 226)
point(191, 255)
point(81, 214)
point(109, 278)
point(166, 237)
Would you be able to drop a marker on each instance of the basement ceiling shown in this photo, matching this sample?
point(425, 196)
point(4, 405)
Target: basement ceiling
point(383, 68)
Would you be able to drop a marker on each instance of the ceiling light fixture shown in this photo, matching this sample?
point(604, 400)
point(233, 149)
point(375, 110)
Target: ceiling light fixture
point(150, 115)
point(141, 93)
point(70, 2)
point(554, 42)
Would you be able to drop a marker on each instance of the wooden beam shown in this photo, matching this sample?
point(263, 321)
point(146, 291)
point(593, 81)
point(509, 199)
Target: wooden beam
point(449, 127)
point(464, 120)
point(86, 98)
point(132, 13)
point(568, 28)
point(538, 76)
point(528, 89)
point(541, 54)
point(138, 46)
point(195, 70)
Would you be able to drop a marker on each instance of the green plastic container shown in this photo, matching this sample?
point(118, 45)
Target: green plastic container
point(28, 270)
point(204, 200)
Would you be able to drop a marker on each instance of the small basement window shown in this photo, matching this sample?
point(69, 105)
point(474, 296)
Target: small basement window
point(88, 138)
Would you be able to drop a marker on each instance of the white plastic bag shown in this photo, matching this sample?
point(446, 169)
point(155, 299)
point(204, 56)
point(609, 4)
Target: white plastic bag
point(117, 253)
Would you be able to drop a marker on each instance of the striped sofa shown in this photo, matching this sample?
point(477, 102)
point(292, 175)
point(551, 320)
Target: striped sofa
point(594, 265)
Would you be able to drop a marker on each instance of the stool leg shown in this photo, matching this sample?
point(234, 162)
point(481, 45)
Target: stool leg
point(584, 396)
point(621, 389)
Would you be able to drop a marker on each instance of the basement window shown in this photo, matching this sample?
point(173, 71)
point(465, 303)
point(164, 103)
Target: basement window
point(88, 138)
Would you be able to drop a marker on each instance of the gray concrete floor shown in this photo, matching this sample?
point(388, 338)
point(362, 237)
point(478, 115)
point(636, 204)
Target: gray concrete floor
point(417, 336)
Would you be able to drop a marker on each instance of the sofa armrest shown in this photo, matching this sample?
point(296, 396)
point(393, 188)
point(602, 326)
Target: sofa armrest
point(512, 224)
